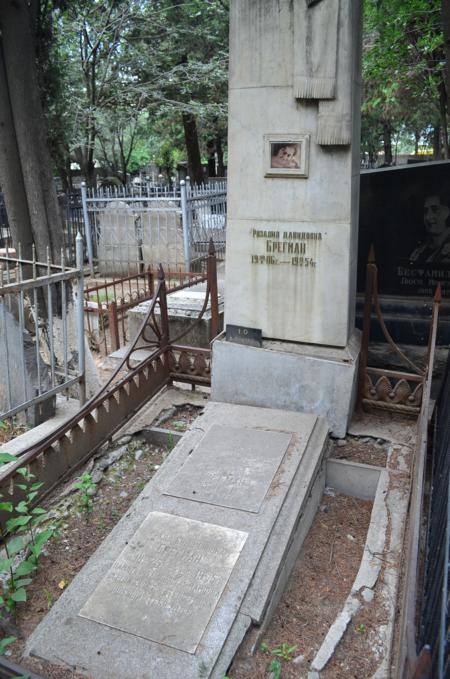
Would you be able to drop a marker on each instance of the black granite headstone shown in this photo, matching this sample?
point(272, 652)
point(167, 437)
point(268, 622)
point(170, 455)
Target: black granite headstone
point(405, 214)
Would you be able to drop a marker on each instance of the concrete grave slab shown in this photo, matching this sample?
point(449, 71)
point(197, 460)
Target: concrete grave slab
point(170, 567)
point(231, 467)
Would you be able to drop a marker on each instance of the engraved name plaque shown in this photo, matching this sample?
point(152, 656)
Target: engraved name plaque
point(231, 467)
point(167, 582)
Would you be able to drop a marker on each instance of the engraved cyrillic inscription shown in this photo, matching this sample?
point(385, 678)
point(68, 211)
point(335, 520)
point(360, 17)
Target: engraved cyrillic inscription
point(166, 583)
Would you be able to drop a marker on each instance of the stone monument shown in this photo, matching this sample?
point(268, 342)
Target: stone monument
point(293, 190)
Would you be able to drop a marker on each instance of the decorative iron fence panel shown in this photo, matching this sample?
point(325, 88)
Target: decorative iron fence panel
point(435, 628)
point(41, 342)
point(206, 208)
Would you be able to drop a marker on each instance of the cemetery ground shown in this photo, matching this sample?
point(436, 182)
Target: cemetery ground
point(318, 587)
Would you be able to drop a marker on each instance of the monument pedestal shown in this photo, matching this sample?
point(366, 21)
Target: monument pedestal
point(287, 376)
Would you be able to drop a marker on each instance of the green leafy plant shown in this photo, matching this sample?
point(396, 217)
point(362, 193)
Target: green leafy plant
point(284, 651)
point(264, 648)
point(361, 629)
point(179, 425)
point(170, 442)
point(18, 532)
point(4, 643)
point(275, 668)
point(86, 485)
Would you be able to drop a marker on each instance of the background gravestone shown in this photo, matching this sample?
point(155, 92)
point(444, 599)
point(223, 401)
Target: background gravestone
point(399, 207)
point(118, 249)
point(162, 236)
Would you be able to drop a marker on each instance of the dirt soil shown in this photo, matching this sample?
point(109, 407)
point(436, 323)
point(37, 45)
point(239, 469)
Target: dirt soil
point(179, 418)
point(9, 431)
point(365, 450)
point(318, 587)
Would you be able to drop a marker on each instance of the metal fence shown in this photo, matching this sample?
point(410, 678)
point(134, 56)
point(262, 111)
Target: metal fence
point(5, 233)
point(435, 627)
point(41, 333)
point(107, 304)
point(129, 231)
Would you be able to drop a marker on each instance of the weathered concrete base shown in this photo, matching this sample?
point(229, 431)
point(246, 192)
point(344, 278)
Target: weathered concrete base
point(267, 512)
point(284, 375)
point(183, 308)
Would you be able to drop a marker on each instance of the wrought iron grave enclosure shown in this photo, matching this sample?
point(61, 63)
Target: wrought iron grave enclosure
point(41, 331)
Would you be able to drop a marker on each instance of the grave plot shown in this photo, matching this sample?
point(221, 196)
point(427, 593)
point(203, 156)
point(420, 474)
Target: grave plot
point(199, 556)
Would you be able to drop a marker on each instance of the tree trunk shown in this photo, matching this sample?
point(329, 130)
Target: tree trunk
point(192, 148)
point(211, 149)
point(29, 125)
point(437, 142)
point(11, 178)
point(443, 104)
point(219, 151)
point(416, 143)
point(387, 142)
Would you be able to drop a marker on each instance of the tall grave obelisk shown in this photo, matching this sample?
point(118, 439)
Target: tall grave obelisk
point(293, 198)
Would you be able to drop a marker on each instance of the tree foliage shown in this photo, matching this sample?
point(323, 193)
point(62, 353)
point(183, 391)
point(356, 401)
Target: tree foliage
point(403, 73)
point(120, 68)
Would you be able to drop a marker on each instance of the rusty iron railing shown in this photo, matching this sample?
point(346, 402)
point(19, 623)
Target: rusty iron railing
point(394, 390)
point(74, 442)
point(106, 305)
point(9, 670)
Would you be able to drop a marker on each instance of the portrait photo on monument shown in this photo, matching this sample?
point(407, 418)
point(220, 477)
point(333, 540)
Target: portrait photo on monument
point(405, 214)
point(286, 155)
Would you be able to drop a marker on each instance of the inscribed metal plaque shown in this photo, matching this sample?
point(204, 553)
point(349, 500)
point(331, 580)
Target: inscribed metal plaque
point(243, 335)
point(231, 467)
point(166, 583)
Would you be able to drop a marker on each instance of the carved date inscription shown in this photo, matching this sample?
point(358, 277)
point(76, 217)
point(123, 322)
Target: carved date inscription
point(167, 582)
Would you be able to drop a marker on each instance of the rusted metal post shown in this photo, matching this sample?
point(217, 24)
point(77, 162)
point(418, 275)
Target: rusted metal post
point(213, 290)
point(113, 326)
point(363, 359)
point(165, 335)
point(150, 282)
point(423, 665)
point(434, 319)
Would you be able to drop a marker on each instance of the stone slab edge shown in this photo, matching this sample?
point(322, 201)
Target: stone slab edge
point(299, 508)
point(261, 588)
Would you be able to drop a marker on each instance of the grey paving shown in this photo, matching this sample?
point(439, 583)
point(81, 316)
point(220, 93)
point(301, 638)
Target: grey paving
point(103, 651)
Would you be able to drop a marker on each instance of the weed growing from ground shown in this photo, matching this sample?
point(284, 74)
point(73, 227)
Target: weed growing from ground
point(86, 485)
point(283, 652)
point(18, 532)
